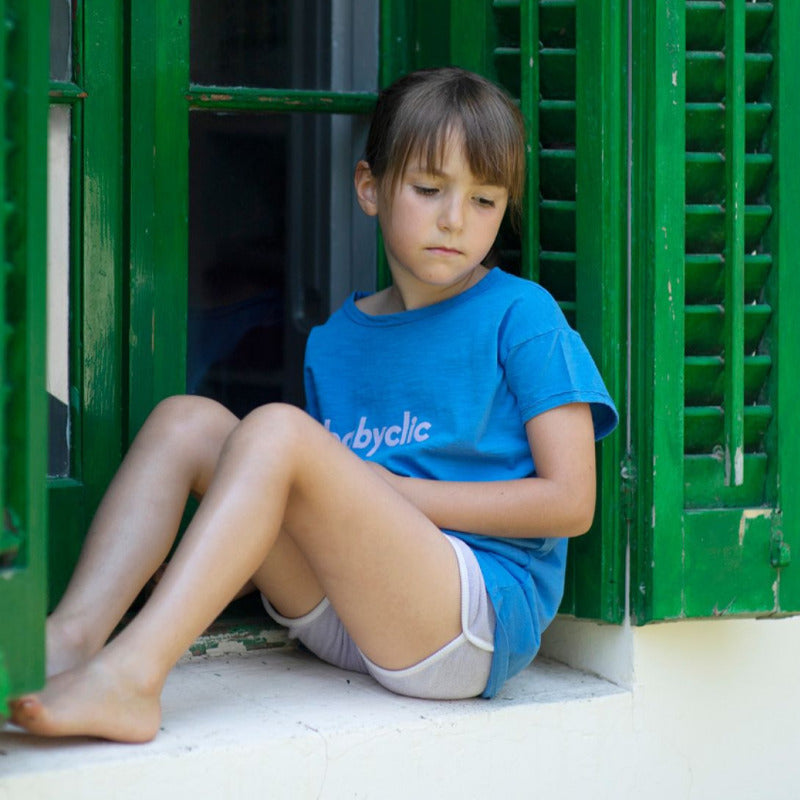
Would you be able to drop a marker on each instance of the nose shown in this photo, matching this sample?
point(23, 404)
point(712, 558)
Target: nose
point(451, 215)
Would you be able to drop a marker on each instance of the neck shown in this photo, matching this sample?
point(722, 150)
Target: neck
point(403, 295)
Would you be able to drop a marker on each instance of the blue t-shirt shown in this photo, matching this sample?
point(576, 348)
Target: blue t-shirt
point(443, 392)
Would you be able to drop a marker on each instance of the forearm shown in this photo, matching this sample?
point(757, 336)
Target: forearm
point(530, 507)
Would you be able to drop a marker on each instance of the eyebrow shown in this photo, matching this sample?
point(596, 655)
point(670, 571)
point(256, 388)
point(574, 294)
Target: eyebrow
point(435, 172)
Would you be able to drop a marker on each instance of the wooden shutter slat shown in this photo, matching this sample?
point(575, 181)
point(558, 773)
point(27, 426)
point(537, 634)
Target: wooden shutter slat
point(705, 227)
point(705, 76)
point(704, 429)
point(705, 24)
point(557, 76)
point(557, 270)
point(704, 378)
point(705, 125)
point(705, 176)
point(704, 277)
point(557, 174)
point(704, 331)
point(557, 219)
point(557, 123)
point(557, 23)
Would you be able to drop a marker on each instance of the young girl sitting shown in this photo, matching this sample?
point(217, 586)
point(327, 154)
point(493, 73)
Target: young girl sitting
point(412, 523)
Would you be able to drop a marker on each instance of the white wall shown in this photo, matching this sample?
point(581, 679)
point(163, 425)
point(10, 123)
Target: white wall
point(715, 703)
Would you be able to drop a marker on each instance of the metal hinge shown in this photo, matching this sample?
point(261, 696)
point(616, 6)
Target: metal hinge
point(630, 481)
point(10, 539)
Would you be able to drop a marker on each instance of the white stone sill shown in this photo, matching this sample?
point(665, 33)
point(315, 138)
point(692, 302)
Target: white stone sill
point(278, 723)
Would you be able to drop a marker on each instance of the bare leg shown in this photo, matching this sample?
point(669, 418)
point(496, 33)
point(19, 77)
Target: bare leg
point(381, 562)
point(174, 454)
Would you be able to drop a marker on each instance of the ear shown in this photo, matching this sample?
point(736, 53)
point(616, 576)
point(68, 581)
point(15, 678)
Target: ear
point(366, 189)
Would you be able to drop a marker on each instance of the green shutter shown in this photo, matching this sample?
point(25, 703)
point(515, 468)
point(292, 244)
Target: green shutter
point(684, 298)
point(23, 420)
point(565, 62)
point(715, 116)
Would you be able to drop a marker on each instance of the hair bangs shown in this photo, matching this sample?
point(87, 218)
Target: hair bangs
point(428, 108)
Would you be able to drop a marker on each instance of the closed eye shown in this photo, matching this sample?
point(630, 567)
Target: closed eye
point(426, 191)
point(486, 202)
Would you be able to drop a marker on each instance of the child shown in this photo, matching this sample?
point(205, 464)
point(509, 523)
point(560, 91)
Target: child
point(399, 527)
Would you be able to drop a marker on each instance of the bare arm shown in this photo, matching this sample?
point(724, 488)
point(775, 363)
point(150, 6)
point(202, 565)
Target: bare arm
point(558, 502)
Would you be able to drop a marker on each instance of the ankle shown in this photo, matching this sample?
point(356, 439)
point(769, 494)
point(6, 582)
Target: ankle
point(141, 672)
point(68, 643)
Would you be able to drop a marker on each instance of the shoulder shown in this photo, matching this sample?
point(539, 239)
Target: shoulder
point(527, 310)
point(329, 334)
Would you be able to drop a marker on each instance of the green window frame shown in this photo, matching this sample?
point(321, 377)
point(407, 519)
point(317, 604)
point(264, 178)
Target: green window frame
point(97, 278)
point(659, 211)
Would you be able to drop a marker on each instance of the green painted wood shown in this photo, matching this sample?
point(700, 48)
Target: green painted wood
point(531, 245)
point(720, 546)
point(705, 125)
point(227, 98)
point(395, 40)
point(469, 35)
point(23, 153)
point(158, 212)
point(97, 284)
point(705, 489)
point(705, 277)
point(66, 93)
point(723, 543)
point(657, 237)
point(597, 560)
point(734, 242)
point(782, 291)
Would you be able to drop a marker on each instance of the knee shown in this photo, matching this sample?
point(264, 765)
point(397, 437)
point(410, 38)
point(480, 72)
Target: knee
point(184, 420)
point(278, 426)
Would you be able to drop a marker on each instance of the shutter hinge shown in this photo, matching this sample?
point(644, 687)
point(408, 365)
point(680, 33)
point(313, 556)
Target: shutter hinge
point(630, 481)
point(780, 554)
point(10, 539)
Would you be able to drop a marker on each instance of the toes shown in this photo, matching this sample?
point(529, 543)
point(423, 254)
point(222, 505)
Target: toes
point(25, 710)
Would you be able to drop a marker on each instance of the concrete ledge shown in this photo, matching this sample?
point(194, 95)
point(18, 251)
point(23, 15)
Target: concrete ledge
point(278, 723)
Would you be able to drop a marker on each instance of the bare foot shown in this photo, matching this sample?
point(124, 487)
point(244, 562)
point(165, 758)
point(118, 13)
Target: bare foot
point(91, 700)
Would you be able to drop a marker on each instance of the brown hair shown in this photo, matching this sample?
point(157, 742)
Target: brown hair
point(415, 115)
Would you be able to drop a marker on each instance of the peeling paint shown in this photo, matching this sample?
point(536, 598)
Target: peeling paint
point(675, 78)
point(738, 466)
point(748, 514)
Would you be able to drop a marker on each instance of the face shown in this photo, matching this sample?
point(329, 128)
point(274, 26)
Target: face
point(437, 227)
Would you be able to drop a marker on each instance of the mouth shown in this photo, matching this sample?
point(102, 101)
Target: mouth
point(444, 251)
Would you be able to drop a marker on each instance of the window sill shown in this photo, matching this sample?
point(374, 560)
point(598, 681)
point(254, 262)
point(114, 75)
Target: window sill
point(237, 722)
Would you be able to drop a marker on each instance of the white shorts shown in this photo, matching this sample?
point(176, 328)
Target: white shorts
point(458, 670)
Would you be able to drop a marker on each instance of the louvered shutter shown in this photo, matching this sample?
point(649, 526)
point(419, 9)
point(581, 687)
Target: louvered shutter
point(715, 115)
point(23, 421)
point(565, 61)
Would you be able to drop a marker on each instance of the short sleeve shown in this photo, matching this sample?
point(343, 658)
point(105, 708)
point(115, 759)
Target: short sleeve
point(312, 402)
point(553, 369)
